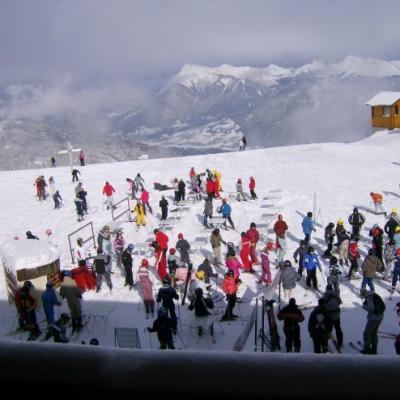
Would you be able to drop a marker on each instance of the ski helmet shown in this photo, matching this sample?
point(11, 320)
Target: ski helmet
point(340, 222)
point(130, 247)
point(287, 263)
point(280, 217)
point(79, 240)
point(253, 225)
point(200, 275)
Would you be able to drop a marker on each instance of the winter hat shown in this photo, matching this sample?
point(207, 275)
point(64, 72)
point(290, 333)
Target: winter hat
point(200, 275)
point(81, 263)
point(333, 260)
point(280, 217)
point(49, 284)
point(292, 301)
point(253, 225)
point(230, 273)
point(252, 178)
point(398, 252)
point(239, 180)
point(223, 201)
point(145, 263)
point(242, 234)
point(172, 251)
point(28, 284)
point(355, 209)
point(94, 342)
point(156, 231)
point(180, 235)
point(130, 247)
point(287, 263)
point(309, 214)
point(166, 281)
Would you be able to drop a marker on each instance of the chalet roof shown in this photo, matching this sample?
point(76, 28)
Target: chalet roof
point(384, 99)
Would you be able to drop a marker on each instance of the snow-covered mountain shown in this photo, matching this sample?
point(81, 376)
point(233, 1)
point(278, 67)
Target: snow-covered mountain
point(287, 175)
point(200, 110)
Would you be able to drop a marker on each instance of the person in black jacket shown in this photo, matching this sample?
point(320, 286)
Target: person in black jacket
point(166, 295)
point(332, 302)
point(29, 235)
point(329, 237)
point(164, 207)
point(75, 173)
point(164, 326)
point(319, 327)
point(202, 307)
point(205, 266)
point(392, 223)
point(292, 316)
point(181, 187)
point(356, 220)
point(127, 263)
point(99, 266)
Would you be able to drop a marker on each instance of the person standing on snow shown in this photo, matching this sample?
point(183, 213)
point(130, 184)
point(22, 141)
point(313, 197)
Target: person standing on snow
point(75, 173)
point(108, 191)
point(377, 240)
point(145, 200)
point(167, 294)
point(332, 303)
point(252, 186)
point(395, 271)
point(69, 290)
point(127, 262)
point(392, 223)
point(239, 190)
point(389, 256)
point(370, 266)
point(377, 199)
point(254, 237)
point(216, 240)
point(208, 211)
point(49, 300)
point(99, 267)
point(245, 252)
point(356, 220)
point(308, 227)
point(265, 267)
point(319, 327)
point(280, 228)
point(57, 199)
point(311, 264)
point(161, 247)
point(82, 158)
point(181, 188)
point(79, 208)
point(183, 246)
point(354, 255)
point(118, 246)
point(82, 193)
point(164, 326)
point(146, 284)
point(164, 208)
point(226, 211)
point(140, 214)
point(300, 252)
point(292, 316)
point(329, 236)
point(139, 182)
point(230, 288)
point(288, 279)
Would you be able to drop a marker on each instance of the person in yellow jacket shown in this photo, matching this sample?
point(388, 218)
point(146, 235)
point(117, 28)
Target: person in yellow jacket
point(140, 215)
point(218, 178)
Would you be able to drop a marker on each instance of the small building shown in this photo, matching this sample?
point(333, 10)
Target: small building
point(385, 110)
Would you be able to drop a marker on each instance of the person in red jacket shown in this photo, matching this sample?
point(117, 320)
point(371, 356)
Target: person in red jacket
point(210, 189)
point(254, 237)
point(161, 247)
point(245, 252)
point(82, 158)
point(230, 288)
point(108, 191)
point(145, 200)
point(252, 186)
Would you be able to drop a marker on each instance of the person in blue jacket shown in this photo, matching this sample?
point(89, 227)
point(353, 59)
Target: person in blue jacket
point(308, 227)
point(49, 300)
point(311, 263)
point(226, 211)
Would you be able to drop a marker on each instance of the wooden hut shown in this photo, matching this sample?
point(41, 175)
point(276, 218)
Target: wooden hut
point(385, 110)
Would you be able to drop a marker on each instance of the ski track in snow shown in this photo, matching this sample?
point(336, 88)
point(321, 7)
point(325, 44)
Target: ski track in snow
point(342, 175)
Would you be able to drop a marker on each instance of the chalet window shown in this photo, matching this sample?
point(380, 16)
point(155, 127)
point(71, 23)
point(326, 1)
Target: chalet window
point(396, 110)
point(386, 111)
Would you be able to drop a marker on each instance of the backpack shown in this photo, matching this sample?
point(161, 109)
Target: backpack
point(379, 305)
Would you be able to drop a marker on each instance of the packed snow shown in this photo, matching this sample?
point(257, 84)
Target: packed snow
point(339, 175)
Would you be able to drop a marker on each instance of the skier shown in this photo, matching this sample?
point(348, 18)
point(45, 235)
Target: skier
point(82, 193)
point(245, 252)
point(132, 188)
point(280, 228)
point(104, 237)
point(75, 173)
point(60, 329)
point(79, 208)
point(354, 255)
point(69, 290)
point(344, 250)
point(82, 158)
point(108, 191)
point(300, 252)
point(252, 186)
point(208, 271)
point(49, 300)
point(52, 186)
point(193, 178)
point(226, 211)
point(183, 246)
point(166, 295)
point(389, 256)
point(311, 264)
point(370, 266)
point(377, 240)
point(29, 235)
point(181, 188)
point(308, 227)
point(216, 240)
point(57, 198)
point(329, 237)
point(341, 232)
point(375, 306)
point(332, 303)
point(254, 237)
point(230, 287)
point(164, 208)
point(42, 188)
point(396, 271)
point(377, 200)
point(145, 200)
point(319, 327)
point(239, 190)
point(202, 307)
point(208, 211)
point(99, 266)
point(79, 251)
point(233, 264)
point(164, 326)
point(288, 279)
point(292, 316)
point(175, 184)
point(139, 182)
point(126, 259)
point(218, 177)
point(118, 247)
point(173, 262)
point(265, 267)
point(140, 214)
point(356, 220)
point(392, 223)
point(146, 284)
point(334, 274)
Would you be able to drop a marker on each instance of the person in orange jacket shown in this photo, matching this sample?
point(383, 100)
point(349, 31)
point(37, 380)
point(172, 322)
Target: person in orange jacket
point(230, 287)
point(377, 199)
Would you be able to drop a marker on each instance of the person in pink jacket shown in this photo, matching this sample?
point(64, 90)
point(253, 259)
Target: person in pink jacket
point(145, 200)
point(146, 285)
point(265, 267)
point(234, 264)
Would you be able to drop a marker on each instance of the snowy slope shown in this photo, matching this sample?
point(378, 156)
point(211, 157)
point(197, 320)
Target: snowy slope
point(341, 175)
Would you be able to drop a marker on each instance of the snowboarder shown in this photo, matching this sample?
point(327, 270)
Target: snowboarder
point(216, 240)
point(226, 211)
point(164, 326)
point(332, 303)
point(70, 291)
point(265, 267)
point(329, 237)
point(108, 191)
point(146, 284)
point(311, 263)
point(126, 259)
point(166, 295)
point(292, 316)
point(356, 220)
point(75, 173)
point(82, 158)
point(239, 190)
point(288, 279)
point(230, 287)
point(375, 307)
point(164, 208)
point(392, 223)
point(99, 266)
point(308, 227)
point(319, 327)
point(252, 186)
point(183, 246)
